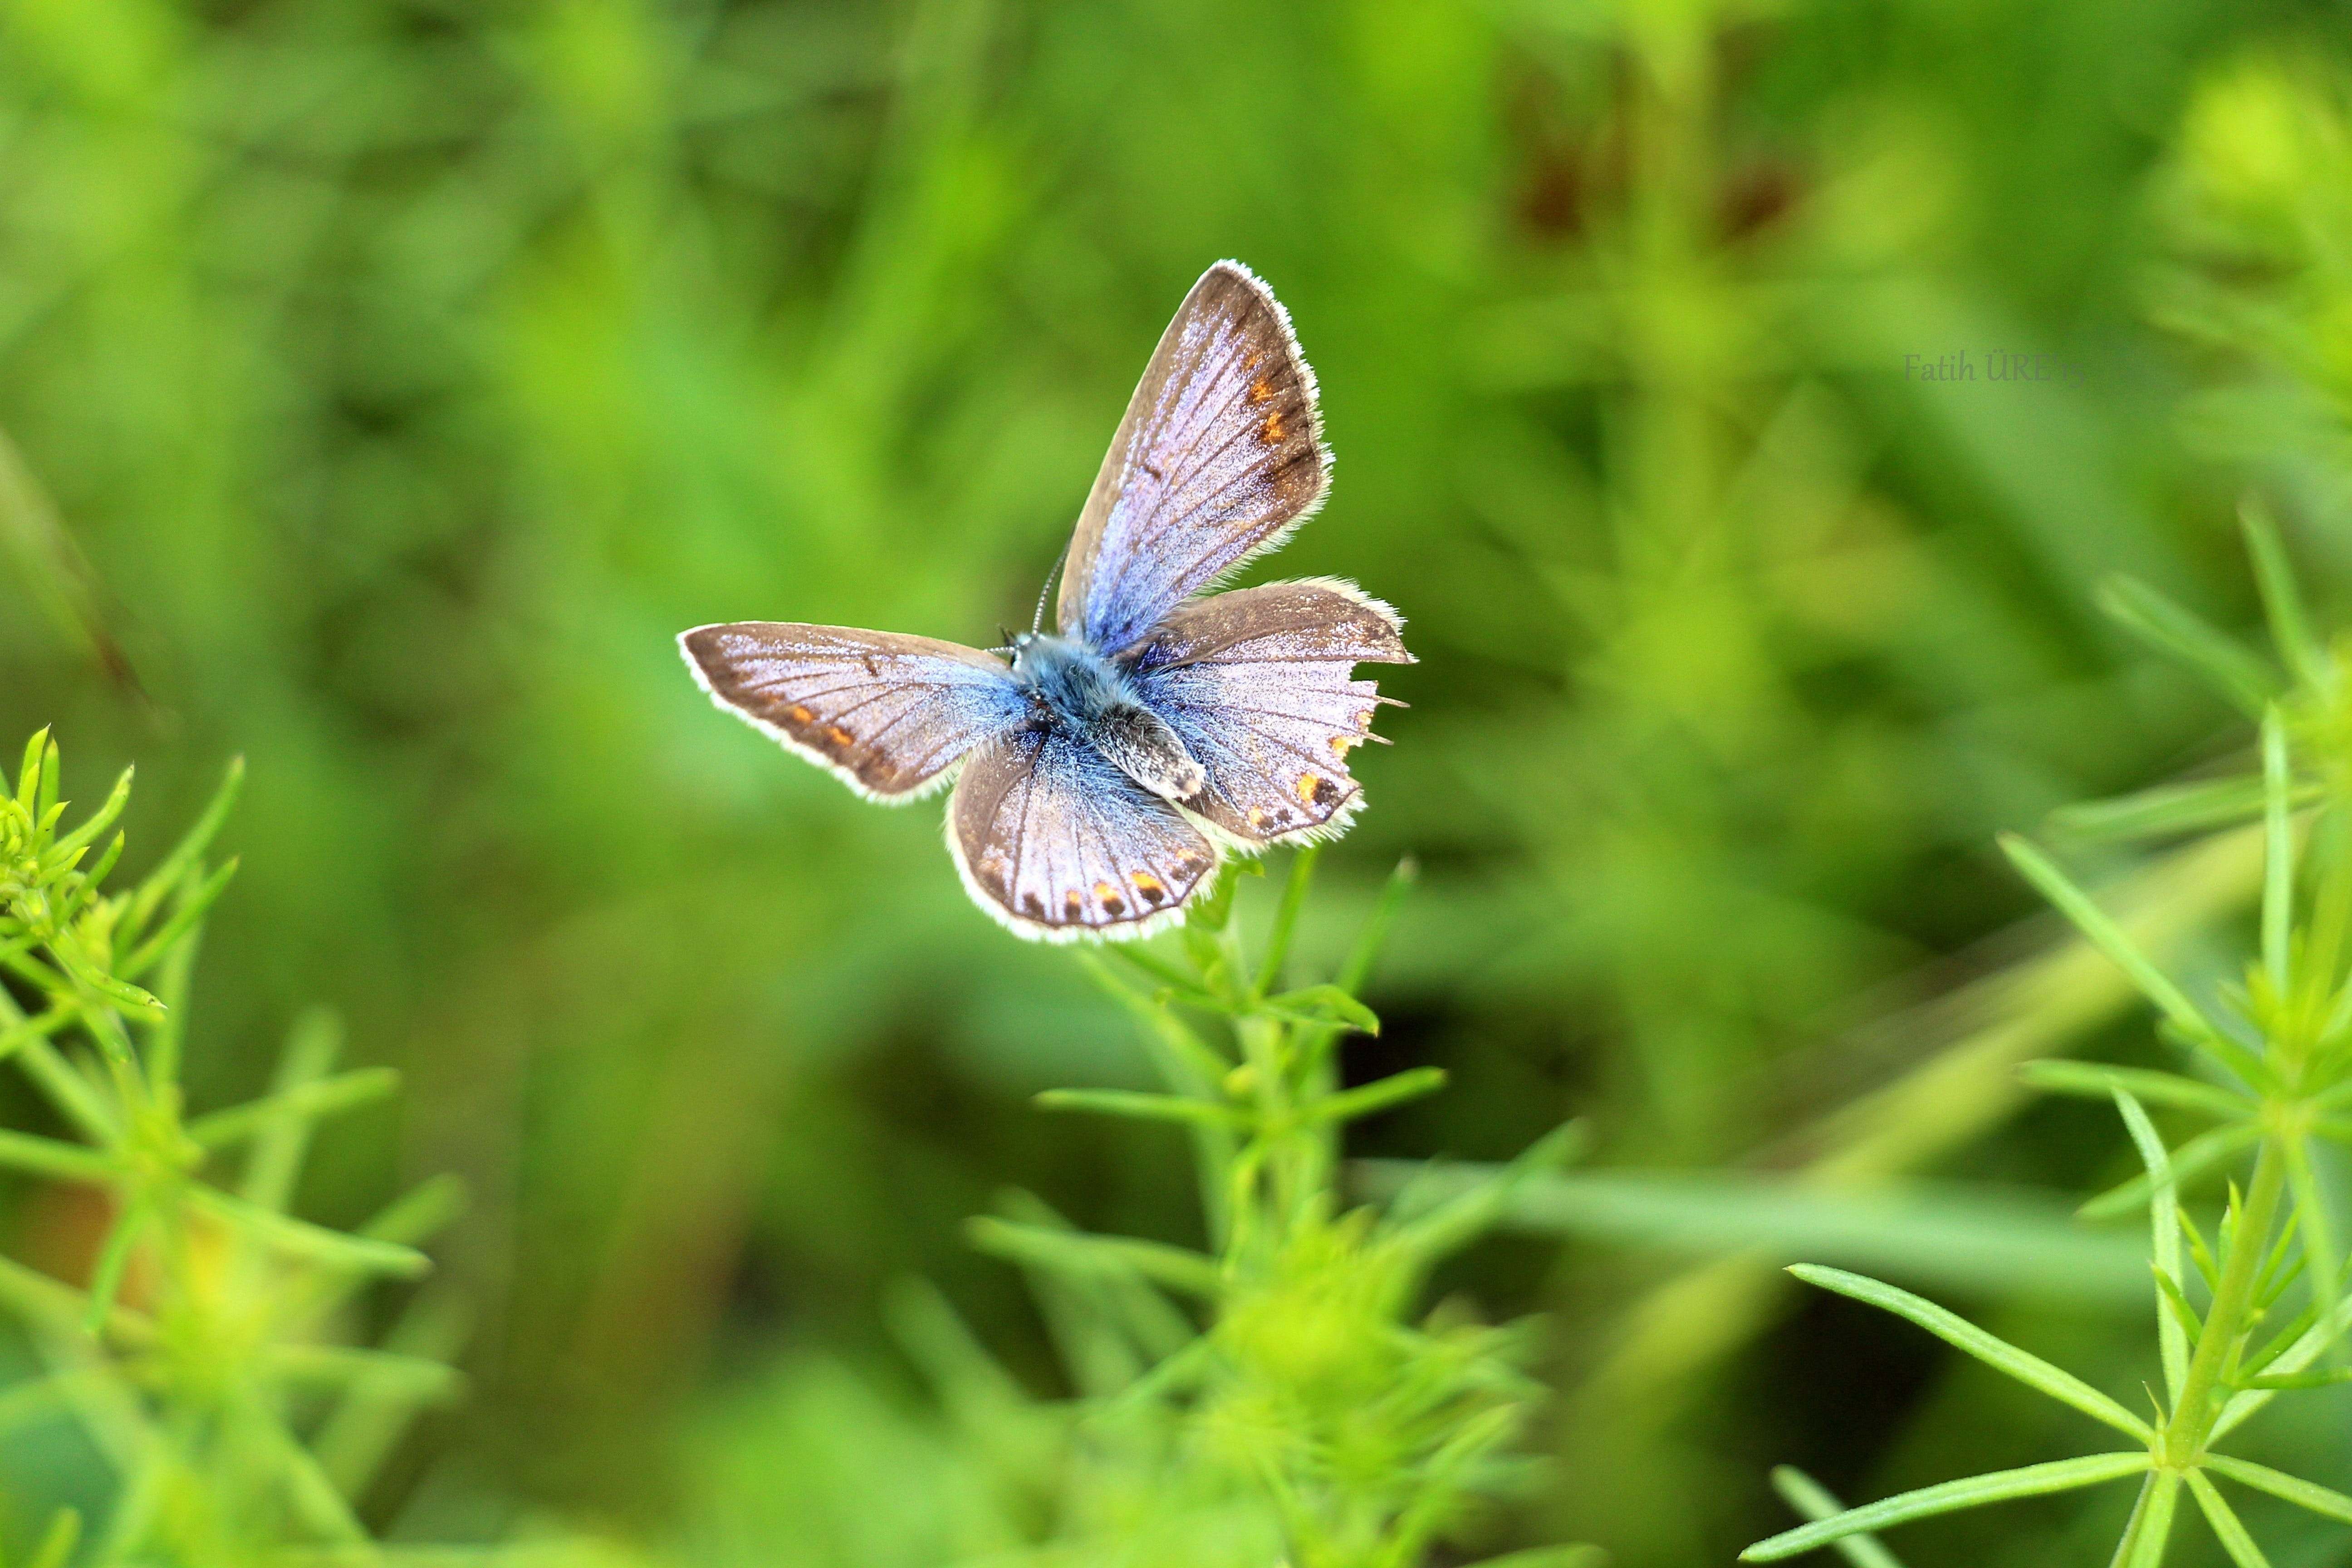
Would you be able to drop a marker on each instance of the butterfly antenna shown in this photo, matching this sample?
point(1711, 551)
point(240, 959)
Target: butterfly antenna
point(1037, 621)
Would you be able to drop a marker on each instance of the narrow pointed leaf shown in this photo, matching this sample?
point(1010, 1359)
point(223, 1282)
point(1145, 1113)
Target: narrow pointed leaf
point(309, 1101)
point(1814, 1501)
point(2235, 670)
point(2279, 1484)
point(2226, 1525)
point(165, 877)
point(1116, 1256)
point(2168, 810)
point(2093, 1080)
point(2310, 1216)
point(2190, 1161)
point(56, 1547)
point(48, 1157)
point(2153, 1522)
point(1999, 1354)
point(300, 1239)
point(2173, 1328)
point(2104, 933)
point(1142, 1106)
point(2032, 1481)
point(2290, 627)
point(1382, 1095)
point(2278, 851)
point(1322, 1005)
point(1286, 918)
point(190, 908)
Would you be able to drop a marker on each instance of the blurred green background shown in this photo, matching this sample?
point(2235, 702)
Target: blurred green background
point(384, 383)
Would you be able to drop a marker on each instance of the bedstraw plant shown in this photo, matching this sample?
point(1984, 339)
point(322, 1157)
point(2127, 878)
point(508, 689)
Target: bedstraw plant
point(2256, 1305)
point(207, 1356)
point(1281, 1397)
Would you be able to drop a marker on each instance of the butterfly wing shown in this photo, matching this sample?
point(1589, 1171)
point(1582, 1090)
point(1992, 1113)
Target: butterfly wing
point(1058, 844)
point(887, 714)
point(1257, 684)
point(1219, 455)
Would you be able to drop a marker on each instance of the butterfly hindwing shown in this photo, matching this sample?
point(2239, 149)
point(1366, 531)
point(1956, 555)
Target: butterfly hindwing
point(1257, 684)
point(887, 714)
point(1058, 844)
point(1220, 454)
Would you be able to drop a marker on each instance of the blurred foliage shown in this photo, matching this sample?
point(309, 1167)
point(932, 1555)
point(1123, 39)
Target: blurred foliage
point(388, 379)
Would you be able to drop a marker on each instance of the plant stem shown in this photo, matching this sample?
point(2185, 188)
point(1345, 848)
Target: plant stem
point(2200, 1406)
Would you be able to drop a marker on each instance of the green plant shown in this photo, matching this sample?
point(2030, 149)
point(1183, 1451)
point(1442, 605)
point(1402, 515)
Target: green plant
point(1280, 1396)
point(206, 1357)
point(2269, 1067)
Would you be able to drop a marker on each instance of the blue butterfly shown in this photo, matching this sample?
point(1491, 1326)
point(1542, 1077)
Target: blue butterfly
point(1098, 774)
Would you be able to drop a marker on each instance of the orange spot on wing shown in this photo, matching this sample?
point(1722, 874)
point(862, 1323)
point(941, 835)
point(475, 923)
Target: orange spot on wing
point(1340, 744)
point(1260, 391)
point(837, 735)
point(1307, 784)
point(798, 714)
point(1269, 430)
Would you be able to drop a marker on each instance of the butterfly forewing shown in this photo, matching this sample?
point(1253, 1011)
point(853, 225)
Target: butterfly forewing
point(1057, 843)
point(888, 714)
point(1257, 684)
point(1220, 453)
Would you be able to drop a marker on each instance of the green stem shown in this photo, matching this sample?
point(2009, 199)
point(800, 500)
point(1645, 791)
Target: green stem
point(2202, 1394)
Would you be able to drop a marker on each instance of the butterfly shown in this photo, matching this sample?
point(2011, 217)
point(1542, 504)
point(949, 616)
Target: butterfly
point(1100, 769)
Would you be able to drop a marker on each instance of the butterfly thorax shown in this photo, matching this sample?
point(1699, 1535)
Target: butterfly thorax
point(1082, 691)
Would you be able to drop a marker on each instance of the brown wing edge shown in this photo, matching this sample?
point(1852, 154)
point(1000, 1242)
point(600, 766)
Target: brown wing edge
point(1028, 929)
point(931, 783)
point(1087, 538)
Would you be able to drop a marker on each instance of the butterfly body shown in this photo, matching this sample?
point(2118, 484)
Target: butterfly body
point(1100, 775)
point(1085, 692)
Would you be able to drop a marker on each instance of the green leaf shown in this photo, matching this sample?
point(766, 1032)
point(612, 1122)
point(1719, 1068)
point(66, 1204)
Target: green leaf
point(2290, 627)
point(2175, 1328)
point(1813, 1501)
point(1379, 1096)
point(2278, 852)
point(1550, 1557)
point(2225, 1523)
point(190, 909)
point(1177, 1268)
point(48, 1157)
point(1374, 935)
point(2234, 670)
point(2152, 1522)
point(2190, 1161)
point(28, 776)
point(58, 1543)
point(1999, 1354)
point(1952, 1234)
point(165, 877)
point(2311, 1215)
point(2168, 809)
point(1479, 1198)
point(314, 1243)
point(99, 822)
point(1142, 1106)
point(1321, 1005)
point(2032, 1481)
point(2279, 1484)
point(1286, 918)
point(306, 1102)
point(113, 1262)
point(2092, 1080)
point(2104, 933)
point(2328, 1379)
